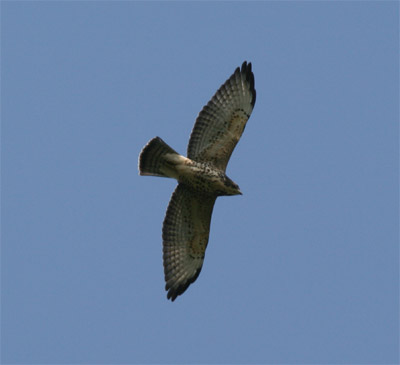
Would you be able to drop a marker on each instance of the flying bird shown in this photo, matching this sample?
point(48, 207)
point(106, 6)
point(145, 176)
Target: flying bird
point(201, 177)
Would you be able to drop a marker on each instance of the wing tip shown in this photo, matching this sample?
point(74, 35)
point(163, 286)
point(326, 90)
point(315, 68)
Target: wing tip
point(174, 291)
point(248, 73)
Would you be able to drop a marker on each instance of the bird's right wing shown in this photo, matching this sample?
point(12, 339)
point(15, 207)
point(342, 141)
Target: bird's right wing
point(185, 237)
point(221, 122)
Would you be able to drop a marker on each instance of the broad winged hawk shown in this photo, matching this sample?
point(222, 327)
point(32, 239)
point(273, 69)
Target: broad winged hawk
point(201, 177)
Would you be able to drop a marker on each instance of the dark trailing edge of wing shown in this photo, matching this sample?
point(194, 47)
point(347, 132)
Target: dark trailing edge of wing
point(246, 71)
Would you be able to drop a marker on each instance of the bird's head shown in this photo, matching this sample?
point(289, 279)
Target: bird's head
point(230, 188)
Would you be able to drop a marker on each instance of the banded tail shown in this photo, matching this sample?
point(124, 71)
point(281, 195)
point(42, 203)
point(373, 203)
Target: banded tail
point(157, 159)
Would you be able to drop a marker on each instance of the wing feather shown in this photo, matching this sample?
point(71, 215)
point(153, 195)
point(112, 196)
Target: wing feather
point(186, 230)
point(221, 122)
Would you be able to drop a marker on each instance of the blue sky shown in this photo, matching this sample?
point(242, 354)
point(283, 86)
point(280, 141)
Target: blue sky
point(303, 268)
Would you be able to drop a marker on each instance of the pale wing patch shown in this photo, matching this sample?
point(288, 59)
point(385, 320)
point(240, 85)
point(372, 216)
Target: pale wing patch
point(219, 151)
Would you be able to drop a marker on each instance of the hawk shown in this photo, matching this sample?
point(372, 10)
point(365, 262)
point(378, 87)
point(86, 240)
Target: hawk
point(201, 177)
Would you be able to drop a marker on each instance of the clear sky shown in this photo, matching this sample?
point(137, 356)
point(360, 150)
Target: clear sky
point(303, 268)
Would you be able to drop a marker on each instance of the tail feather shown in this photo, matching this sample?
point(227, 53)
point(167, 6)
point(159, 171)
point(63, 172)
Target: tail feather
point(153, 159)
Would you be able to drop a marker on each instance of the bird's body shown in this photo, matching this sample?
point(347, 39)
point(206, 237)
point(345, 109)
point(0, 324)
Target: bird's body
point(201, 177)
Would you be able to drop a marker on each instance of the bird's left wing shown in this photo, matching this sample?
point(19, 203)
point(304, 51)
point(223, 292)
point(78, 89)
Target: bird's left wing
point(185, 237)
point(221, 122)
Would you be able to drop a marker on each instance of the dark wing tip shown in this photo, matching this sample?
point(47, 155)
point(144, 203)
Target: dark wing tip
point(173, 292)
point(248, 73)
